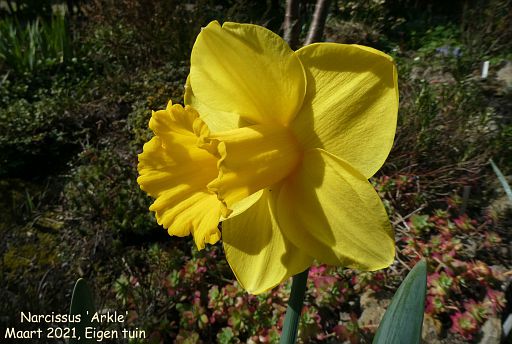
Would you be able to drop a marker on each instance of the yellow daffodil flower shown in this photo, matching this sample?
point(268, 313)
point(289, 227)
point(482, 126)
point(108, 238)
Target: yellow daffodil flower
point(279, 145)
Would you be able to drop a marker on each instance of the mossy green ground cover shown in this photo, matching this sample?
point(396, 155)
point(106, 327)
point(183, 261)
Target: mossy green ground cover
point(71, 128)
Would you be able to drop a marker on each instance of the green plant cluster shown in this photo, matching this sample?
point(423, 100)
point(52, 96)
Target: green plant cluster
point(460, 284)
point(34, 135)
point(36, 45)
point(200, 300)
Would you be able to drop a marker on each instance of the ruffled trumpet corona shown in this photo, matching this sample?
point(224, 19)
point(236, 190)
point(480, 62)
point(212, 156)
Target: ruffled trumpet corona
point(278, 145)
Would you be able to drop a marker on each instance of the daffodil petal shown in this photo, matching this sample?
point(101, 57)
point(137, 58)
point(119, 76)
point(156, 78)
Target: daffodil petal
point(241, 206)
point(174, 170)
point(216, 120)
point(251, 159)
point(259, 255)
point(329, 210)
point(351, 103)
point(246, 70)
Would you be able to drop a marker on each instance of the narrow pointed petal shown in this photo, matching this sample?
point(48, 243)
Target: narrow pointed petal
point(329, 210)
point(246, 70)
point(351, 103)
point(175, 171)
point(259, 255)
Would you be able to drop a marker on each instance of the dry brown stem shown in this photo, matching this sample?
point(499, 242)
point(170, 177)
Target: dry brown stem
point(292, 23)
point(316, 29)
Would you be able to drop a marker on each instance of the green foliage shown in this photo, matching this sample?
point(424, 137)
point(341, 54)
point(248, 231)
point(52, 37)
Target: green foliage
point(27, 270)
point(461, 286)
point(354, 32)
point(159, 87)
point(436, 37)
point(35, 135)
point(37, 45)
point(420, 223)
point(156, 32)
point(197, 295)
point(82, 303)
point(102, 189)
point(486, 29)
point(102, 192)
point(141, 32)
point(450, 125)
point(374, 12)
point(403, 319)
point(40, 88)
point(226, 336)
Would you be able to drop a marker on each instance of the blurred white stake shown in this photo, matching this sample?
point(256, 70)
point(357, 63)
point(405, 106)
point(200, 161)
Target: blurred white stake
point(507, 325)
point(485, 70)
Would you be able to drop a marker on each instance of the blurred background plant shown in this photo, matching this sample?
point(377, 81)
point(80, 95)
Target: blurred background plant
point(78, 81)
point(37, 45)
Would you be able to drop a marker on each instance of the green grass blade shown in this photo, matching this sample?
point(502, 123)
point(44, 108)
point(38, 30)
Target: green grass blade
point(502, 180)
point(81, 303)
point(403, 319)
point(30, 52)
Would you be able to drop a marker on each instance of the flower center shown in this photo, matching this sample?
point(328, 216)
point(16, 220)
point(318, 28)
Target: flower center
point(250, 159)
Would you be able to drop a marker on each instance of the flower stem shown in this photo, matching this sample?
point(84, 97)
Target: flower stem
point(291, 321)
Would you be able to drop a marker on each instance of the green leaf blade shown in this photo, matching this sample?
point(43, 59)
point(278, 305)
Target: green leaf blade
point(82, 304)
point(403, 320)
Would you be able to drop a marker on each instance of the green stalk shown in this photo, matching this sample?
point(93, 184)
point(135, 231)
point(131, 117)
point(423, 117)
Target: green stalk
point(291, 320)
